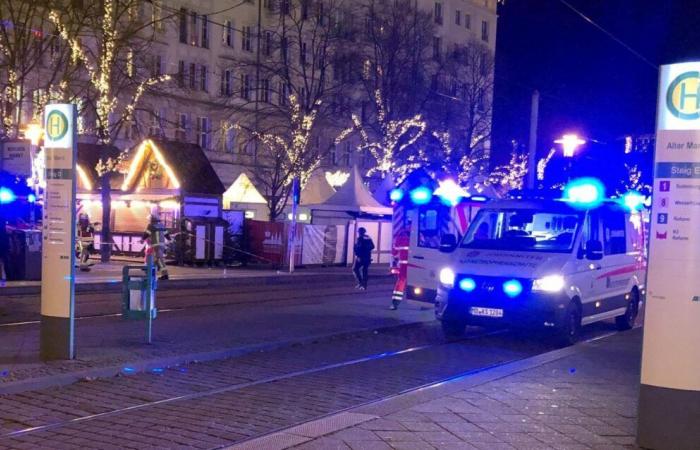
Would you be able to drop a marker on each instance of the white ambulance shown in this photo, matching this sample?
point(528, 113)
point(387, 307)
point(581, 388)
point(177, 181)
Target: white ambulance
point(544, 263)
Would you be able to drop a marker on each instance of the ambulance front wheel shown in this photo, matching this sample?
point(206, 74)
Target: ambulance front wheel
point(627, 320)
point(453, 329)
point(569, 330)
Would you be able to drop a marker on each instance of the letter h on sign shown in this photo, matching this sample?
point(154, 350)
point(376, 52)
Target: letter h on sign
point(684, 95)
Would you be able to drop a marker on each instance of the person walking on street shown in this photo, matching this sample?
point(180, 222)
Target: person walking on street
point(363, 257)
point(85, 241)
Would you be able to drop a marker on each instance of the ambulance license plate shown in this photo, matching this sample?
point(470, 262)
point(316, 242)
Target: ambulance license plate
point(485, 312)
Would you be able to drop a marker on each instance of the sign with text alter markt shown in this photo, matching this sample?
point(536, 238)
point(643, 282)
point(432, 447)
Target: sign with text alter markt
point(669, 403)
point(58, 253)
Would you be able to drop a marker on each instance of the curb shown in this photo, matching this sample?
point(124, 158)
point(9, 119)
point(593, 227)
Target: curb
point(64, 379)
point(307, 431)
point(199, 283)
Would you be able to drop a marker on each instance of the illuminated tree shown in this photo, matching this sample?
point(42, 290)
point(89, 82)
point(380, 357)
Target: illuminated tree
point(110, 47)
point(34, 66)
point(292, 91)
point(287, 157)
point(390, 142)
point(512, 175)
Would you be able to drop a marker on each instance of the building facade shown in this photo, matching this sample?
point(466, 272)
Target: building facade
point(213, 51)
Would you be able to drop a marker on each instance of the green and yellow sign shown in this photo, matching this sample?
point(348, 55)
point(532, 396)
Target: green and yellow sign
point(683, 96)
point(56, 125)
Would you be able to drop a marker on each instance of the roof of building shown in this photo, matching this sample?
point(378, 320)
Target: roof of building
point(188, 162)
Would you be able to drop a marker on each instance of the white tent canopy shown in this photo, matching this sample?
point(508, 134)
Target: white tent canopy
point(353, 196)
point(317, 189)
point(242, 191)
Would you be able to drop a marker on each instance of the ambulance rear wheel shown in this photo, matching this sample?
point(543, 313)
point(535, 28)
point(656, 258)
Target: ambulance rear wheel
point(627, 320)
point(453, 329)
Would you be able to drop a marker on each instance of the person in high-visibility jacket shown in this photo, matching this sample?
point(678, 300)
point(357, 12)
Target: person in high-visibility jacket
point(85, 241)
point(155, 237)
point(400, 250)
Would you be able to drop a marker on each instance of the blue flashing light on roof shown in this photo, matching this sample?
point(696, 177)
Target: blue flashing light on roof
point(31, 198)
point(584, 193)
point(396, 195)
point(450, 193)
point(6, 196)
point(478, 198)
point(421, 195)
point(512, 288)
point(633, 200)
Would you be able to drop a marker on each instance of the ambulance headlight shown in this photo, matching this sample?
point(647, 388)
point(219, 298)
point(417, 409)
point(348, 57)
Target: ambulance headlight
point(447, 277)
point(550, 283)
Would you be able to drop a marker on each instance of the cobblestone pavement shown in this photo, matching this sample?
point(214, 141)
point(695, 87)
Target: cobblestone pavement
point(213, 404)
point(587, 400)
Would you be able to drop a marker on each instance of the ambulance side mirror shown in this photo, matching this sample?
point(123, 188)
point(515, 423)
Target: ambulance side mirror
point(594, 250)
point(448, 243)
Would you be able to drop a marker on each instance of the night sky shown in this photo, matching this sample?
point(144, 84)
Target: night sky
point(588, 83)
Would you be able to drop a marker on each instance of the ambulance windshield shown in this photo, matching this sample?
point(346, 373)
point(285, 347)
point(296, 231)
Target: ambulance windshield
point(524, 230)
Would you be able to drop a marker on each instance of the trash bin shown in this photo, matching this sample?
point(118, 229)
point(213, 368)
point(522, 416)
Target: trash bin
point(24, 255)
point(138, 287)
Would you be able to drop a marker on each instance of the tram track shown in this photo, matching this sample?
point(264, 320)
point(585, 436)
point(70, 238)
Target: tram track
point(173, 297)
point(239, 386)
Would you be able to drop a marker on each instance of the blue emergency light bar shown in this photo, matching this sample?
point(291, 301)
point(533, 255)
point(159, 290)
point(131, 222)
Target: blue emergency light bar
point(6, 196)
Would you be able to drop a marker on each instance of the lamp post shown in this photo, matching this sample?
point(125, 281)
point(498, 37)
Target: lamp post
point(569, 143)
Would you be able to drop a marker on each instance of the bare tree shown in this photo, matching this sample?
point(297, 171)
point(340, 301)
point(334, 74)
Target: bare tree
point(110, 49)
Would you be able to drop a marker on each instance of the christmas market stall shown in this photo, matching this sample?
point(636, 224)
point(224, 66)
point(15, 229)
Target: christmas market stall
point(172, 179)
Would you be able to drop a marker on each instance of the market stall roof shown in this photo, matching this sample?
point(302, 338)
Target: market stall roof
point(186, 166)
point(353, 197)
point(243, 191)
point(317, 189)
point(88, 156)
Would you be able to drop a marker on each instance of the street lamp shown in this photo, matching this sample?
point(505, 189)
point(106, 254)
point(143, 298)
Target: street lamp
point(570, 142)
point(34, 132)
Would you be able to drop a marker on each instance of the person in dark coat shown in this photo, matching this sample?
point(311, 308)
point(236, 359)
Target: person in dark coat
point(363, 258)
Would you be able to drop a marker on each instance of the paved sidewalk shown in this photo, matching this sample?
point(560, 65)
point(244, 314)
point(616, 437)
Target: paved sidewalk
point(583, 397)
point(109, 276)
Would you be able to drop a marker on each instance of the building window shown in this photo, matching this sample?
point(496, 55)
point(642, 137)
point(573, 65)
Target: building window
point(247, 38)
point(467, 21)
point(228, 133)
point(193, 76)
point(194, 21)
point(245, 86)
point(203, 132)
point(267, 44)
point(284, 7)
point(282, 94)
point(347, 154)
point(183, 25)
point(485, 31)
point(158, 66)
point(458, 17)
point(156, 15)
point(228, 34)
point(226, 83)
point(181, 74)
point(205, 32)
point(204, 78)
point(438, 13)
point(437, 44)
point(182, 125)
point(333, 155)
point(265, 90)
point(156, 127)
